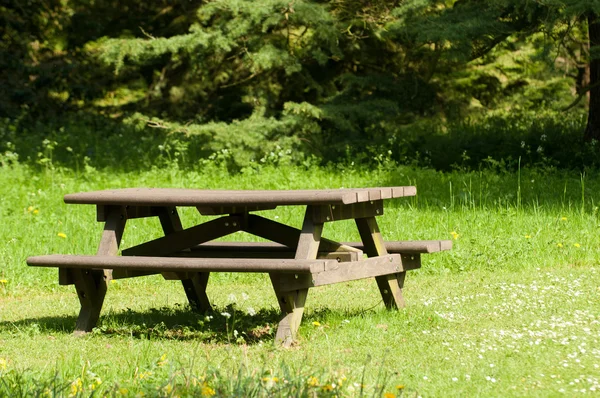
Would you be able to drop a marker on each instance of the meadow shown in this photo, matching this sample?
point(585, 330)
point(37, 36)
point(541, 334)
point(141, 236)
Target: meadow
point(511, 310)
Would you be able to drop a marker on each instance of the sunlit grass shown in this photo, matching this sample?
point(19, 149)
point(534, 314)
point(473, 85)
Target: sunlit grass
point(511, 310)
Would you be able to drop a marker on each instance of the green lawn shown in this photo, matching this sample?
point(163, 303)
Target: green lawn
point(512, 310)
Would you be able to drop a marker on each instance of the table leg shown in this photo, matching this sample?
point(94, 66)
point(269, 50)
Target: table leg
point(292, 302)
point(195, 287)
point(91, 285)
point(390, 286)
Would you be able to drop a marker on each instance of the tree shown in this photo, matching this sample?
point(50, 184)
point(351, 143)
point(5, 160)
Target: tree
point(466, 30)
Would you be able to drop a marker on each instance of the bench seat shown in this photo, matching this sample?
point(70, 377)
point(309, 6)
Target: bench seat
point(179, 264)
point(271, 248)
point(302, 273)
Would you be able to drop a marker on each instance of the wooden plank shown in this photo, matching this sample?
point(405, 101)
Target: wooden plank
point(266, 253)
point(218, 198)
point(408, 247)
point(219, 210)
point(194, 285)
point(180, 240)
point(179, 264)
point(292, 302)
point(390, 286)
point(415, 246)
point(344, 272)
point(91, 285)
point(126, 273)
point(328, 213)
point(289, 236)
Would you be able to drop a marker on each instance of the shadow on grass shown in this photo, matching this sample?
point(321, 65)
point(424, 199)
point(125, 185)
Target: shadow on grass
point(227, 325)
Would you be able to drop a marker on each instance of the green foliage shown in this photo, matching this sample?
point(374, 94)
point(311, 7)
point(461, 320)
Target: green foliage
point(241, 79)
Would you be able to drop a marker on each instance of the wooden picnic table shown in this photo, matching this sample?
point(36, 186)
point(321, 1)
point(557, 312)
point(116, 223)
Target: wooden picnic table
point(295, 259)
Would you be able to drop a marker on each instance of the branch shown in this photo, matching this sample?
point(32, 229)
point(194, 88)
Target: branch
point(582, 94)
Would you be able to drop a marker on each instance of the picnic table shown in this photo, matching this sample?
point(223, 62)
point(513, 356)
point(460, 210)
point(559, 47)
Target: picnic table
point(295, 259)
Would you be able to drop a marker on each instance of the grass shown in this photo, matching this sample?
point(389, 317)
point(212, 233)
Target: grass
point(512, 310)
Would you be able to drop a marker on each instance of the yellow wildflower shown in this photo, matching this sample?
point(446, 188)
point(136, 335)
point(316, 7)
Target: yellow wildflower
point(36, 211)
point(559, 245)
point(455, 235)
point(400, 387)
point(563, 218)
point(163, 360)
point(316, 323)
point(76, 387)
point(327, 387)
point(576, 245)
point(62, 235)
point(207, 391)
point(3, 363)
point(313, 381)
point(389, 395)
point(144, 375)
point(527, 236)
point(123, 391)
point(3, 281)
point(30, 209)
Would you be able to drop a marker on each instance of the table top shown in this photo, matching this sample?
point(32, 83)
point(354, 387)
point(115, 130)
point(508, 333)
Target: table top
point(210, 197)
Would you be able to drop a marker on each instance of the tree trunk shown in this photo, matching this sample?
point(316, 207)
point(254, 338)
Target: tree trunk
point(592, 130)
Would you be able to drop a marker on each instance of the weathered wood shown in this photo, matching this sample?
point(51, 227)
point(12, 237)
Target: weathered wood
point(219, 210)
point(260, 250)
point(91, 285)
point(121, 273)
point(292, 302)
point(181, 240)
point(237, 198)
point(415, 246)
point(390, 286)
point(345, 272)
point(404, 247)
point(328, 213)
point(180, 264)
point(194, 285)
point(132, 212)
point(289, 236)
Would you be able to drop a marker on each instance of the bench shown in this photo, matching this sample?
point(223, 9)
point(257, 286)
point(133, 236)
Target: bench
point(255, 257)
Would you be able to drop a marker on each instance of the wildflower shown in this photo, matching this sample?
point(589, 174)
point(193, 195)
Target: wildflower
point(3, 364)
point(400, 387)
point(251, 311)
point(316, 323)
point(327, 387)
point(62, 235)
point(3, 281)
point(576, 245)
point(206, 391)
point(563, 218)
point(76, 387)
point(312, 381)
point(36, 211)
point(163, 360)
point(123, 391)
point(559, 245)
point(389, 395)
point(30, 209)
point(144, 375)
point(226, 314)
point(527, 236)
point(455, 235)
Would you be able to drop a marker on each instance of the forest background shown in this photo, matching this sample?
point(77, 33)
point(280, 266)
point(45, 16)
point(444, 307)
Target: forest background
point(442, 84)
